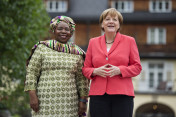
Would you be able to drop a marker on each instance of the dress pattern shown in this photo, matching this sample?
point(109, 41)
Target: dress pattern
point(58, 80)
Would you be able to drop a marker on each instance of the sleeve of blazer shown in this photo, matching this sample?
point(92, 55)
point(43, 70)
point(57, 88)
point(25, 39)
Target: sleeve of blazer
point(88, 67)
point(134, 68)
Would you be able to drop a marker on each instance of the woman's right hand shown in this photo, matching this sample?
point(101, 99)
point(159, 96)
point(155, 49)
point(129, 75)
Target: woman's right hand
point(101, 71)
point(34, 102)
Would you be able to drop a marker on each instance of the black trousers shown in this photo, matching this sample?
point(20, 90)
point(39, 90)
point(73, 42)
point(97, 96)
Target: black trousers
point(111, 106)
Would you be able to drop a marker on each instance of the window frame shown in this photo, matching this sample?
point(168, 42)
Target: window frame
point(126, 9)
point(62, 5)
point(156, 36)
point(163, 9)
point(167, 75)
point(155, 72)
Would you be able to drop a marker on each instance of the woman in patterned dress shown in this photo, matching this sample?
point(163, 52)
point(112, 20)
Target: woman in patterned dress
point(54, 79)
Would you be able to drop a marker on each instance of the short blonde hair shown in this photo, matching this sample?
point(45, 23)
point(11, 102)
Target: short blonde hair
point(112, 12)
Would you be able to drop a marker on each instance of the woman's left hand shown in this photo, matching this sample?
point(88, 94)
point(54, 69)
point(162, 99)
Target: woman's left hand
point(82, 109)
point(113, 70)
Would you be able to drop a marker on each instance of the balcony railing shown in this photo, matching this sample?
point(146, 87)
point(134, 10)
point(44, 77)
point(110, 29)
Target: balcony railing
point(146, 48)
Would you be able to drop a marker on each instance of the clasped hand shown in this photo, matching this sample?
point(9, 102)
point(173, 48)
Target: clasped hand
point(107, 70)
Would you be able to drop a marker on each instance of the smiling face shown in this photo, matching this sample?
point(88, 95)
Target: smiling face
point(62, 32)
point(110, 24)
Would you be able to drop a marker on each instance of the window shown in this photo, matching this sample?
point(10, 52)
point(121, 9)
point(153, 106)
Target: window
point(156, 36)
point(123, 6)
point(57, 6)
point(160, 6)
point(151, 80)
point(156, 76)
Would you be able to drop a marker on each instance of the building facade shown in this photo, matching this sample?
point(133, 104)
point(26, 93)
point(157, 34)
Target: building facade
point(153, 24)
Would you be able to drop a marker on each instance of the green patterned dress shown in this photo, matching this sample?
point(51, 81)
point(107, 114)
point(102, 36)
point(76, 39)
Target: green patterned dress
point(58, 80)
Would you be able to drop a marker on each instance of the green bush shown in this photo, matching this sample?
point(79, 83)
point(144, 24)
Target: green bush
point(22, 24)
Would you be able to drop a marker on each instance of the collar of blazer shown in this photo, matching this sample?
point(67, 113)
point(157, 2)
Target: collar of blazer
point(116, 42)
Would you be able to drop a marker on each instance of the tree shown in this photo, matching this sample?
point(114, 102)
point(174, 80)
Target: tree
point(22, 24)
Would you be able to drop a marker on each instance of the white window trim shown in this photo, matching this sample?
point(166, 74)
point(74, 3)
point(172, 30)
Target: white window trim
point(155, 71)
point(60, 9)
point(156, 41)
point(125, 10)
point(157, 3)
point(144, 83)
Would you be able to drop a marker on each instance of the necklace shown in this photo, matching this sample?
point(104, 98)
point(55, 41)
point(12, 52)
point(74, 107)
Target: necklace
point(109, 42)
